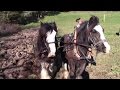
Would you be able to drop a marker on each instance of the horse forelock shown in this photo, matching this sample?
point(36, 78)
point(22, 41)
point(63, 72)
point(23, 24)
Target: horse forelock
point(93, 20)
point(47, 27)
point(85, 28)
point(81, 32)
point(54, 26)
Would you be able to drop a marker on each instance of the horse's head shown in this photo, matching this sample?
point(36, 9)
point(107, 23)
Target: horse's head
point(96, 35)
point(46, 39)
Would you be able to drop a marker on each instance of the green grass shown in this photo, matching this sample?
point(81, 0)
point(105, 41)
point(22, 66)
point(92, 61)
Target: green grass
point(66, 21)
point(31, 25)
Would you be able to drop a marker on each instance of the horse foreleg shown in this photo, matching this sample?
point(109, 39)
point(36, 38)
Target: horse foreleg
point(65, 72)
point(71, 64)
point(80, 67)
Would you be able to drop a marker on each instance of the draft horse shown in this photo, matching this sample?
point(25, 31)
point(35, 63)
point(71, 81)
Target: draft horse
point(89, 35)
point(46, 50)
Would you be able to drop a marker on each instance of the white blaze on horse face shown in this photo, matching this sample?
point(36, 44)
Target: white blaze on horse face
point(51, 39)
point(100, 30)
point(44, 74)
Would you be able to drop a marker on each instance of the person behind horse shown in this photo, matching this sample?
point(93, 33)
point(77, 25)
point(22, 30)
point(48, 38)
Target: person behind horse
point(79, 22)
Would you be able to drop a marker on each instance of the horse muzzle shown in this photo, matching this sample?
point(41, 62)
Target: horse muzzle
point(51, 55)
point(107, 49)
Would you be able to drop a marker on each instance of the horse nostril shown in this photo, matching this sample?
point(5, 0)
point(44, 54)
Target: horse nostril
point(107, 50)
point(118, 34)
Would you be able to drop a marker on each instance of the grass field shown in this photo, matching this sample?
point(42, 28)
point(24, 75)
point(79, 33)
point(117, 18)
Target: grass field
point(108, 66)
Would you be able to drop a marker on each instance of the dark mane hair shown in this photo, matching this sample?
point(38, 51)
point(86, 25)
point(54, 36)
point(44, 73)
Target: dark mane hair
point(94, 19)
point(53, 24)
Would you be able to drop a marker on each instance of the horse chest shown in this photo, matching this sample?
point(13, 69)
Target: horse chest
point(68, 42)
point(69, 47)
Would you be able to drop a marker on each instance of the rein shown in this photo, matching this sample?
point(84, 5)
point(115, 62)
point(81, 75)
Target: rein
point(100, 42)
point(85, 57)
point(51, 42)
point(83, 45)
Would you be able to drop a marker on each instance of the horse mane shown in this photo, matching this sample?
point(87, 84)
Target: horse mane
point(39, 44)
point(44, 28)
point(47, 27)
point(53, 24)
point(93, 19)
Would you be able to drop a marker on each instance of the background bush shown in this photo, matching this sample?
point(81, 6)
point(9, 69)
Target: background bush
point(24, 17)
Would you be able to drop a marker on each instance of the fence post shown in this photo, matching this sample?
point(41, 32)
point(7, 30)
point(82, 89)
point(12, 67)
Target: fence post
point(104, 18)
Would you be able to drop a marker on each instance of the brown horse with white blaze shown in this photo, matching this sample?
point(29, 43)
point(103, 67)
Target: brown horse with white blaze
point(89, 34)
point(46, 48)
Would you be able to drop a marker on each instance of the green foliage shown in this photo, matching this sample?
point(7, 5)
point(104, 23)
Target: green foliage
point(9, 16)
point(23, 17)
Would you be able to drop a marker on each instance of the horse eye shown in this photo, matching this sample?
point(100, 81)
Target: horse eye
point(94, 31)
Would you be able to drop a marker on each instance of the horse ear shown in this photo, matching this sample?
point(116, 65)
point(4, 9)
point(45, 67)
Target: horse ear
point(54, 23)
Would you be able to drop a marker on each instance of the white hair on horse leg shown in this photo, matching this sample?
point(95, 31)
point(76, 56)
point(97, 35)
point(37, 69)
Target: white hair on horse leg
point(65, 72)
point(44, 73)
point(50, 68)
point(65, 66)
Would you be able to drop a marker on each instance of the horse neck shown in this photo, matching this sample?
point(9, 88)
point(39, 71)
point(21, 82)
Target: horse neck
point(83, 33)
point(89, 29)
point(40, 45)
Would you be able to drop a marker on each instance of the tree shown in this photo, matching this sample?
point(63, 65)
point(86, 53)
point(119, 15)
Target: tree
point(23, 17)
